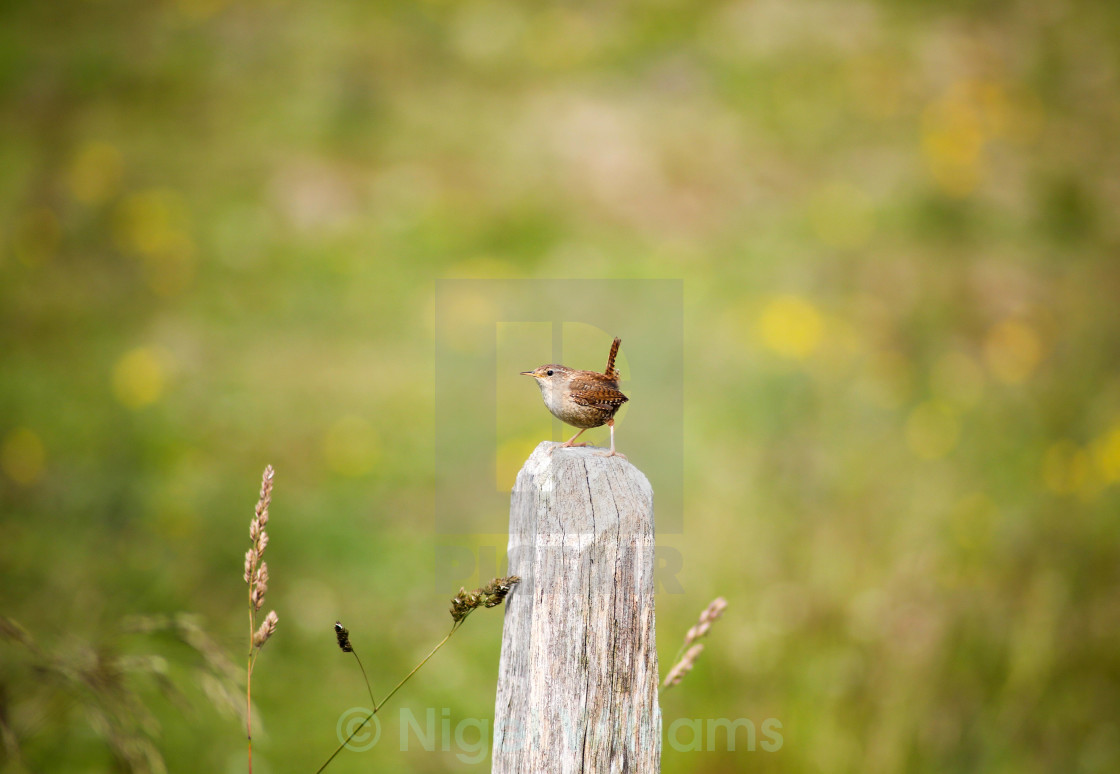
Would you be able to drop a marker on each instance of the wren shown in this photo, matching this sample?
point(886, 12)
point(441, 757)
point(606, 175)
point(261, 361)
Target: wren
point(583, 399)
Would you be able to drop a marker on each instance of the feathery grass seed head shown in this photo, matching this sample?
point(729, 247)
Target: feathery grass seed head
point(267, 629)
point(700, 629)
point(683, 667)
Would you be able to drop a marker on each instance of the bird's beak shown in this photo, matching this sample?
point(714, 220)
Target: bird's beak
point(527, 373)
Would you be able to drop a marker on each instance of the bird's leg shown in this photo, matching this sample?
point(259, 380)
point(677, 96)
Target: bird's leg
point(568, 442)
point(612, 452)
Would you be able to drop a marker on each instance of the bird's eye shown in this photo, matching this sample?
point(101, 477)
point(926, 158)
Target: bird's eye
point(548, 372)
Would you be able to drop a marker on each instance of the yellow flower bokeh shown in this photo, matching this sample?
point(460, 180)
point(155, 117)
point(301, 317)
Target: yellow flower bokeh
point(154, 225)
point(140, 376)
point(958, 126)
point(1106, 455)
point(791, 326)
point(1012, 351)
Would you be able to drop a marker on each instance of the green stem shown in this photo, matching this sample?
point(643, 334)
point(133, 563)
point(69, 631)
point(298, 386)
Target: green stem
point(365, 677)
point(407, 677)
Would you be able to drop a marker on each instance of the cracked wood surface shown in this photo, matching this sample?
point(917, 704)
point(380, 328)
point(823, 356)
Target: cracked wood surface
point(577, 686)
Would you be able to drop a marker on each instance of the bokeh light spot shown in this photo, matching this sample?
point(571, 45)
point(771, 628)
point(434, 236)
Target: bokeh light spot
point(95, 173)
point(22, 456)
point(1012, 351)
point(791, 326)
point(1106, 454)
point(155, 225)
point(150, 222)
point(958, 126)
point(952, 140)
point(842, 215)
point(932, 430)
point(350, 446)
point(139, 376)
point(952, 154)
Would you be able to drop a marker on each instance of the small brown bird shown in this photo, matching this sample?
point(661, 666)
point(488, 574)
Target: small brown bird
point(583, 399)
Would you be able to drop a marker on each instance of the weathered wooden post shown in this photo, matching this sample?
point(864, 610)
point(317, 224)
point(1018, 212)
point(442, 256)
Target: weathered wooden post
point(577, 685)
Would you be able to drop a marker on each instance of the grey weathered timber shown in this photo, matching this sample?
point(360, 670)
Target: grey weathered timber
point(577, 686)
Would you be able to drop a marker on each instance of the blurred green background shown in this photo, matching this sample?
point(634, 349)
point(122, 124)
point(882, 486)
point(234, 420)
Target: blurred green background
point(896, 222)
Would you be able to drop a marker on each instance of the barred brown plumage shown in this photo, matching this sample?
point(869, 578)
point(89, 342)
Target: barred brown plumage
point(583, 399)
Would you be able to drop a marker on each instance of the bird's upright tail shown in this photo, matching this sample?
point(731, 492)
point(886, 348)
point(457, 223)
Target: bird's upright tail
point(611, 371)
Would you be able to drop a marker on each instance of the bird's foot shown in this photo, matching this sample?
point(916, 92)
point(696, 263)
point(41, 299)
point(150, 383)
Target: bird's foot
point(570, 445)
point(613, 453)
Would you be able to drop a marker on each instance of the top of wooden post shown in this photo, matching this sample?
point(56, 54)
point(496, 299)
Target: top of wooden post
point(578, 486)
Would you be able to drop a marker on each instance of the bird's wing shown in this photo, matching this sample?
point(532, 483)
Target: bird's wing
point(596, 394)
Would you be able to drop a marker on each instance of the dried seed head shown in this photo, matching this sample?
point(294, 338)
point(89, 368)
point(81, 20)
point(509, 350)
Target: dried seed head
point(257, 576)
point(266, 495)
point(713, 611)
point(490, 595)
point(497, 590)
point(343, 635)
point(683, 667)
point(462, 604)
point(709, 614)
point(267, 629)
point(260, 586)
